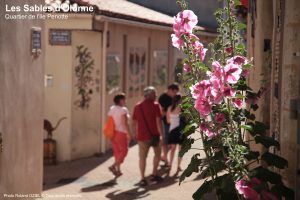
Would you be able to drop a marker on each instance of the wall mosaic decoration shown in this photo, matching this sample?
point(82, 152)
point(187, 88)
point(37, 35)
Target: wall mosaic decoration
point(137, 71)
point(113, 72)
point(83, 73)
point(160, 68)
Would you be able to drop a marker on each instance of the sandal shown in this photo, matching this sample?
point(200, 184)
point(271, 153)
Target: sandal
point(156, 178)
point(143, 183)
point(118, 174)
point(113, 170)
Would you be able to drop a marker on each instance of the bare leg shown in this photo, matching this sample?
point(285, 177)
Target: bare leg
point(172, 153)
point(156, 160)
point(165, 153)
point(179, 162)
point(142, 164)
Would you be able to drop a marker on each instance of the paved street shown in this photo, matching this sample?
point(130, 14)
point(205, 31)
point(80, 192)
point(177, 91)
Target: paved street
point(90, 179)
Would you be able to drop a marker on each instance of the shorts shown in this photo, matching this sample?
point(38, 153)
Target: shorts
point(144, 147)
point(175, 136)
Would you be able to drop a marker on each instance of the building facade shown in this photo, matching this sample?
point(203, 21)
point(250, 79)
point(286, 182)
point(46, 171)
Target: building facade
point(274, 41)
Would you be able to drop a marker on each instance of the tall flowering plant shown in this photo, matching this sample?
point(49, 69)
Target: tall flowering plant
point(219, 106)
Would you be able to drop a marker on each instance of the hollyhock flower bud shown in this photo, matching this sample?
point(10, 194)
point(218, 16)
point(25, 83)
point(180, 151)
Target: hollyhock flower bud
point(219, 118)
point(229, 50)
point(187, 67)
point(232, 73)
point(238, 103)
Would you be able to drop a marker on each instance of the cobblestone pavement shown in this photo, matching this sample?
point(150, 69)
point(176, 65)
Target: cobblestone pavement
point(90, 179)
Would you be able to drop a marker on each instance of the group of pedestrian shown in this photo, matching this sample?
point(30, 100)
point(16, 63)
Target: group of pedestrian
point(154, 124)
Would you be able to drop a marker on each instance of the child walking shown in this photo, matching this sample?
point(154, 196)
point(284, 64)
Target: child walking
point(121, 138)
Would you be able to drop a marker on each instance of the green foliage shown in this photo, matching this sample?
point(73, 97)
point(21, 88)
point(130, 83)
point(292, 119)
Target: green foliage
point(274, 160)
point(228, 156)
point(266, 141)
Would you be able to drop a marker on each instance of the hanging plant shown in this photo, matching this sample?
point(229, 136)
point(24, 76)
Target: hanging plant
point(220, 109)
point(83, 73)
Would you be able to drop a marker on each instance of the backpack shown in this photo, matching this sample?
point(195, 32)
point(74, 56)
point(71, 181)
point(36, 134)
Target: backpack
point(109, 128)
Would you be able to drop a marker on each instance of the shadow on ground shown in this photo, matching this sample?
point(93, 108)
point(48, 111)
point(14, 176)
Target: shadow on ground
point(141, 192)
point(137, 192)
point(68, 172)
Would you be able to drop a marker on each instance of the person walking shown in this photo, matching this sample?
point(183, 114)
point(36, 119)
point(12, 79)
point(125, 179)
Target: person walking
point(175, 136)
point(122, 137)
point(147, 128)
point(165, 100)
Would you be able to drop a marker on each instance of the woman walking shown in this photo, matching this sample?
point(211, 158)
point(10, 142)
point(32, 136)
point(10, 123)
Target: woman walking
point(122, 137)
point(175, 135)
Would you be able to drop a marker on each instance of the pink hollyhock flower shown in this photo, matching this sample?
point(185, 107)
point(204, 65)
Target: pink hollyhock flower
point(244, 189)
point(219, 118)
point(268, 196)
point(211, 134)
point(201, 89)
point(198, 46)
point(232, 73)
point(238, 103)
point(184, 22)
point(217, 96)
point(202, 106)
point(202, 54)
point(217, 69)
point(177, 41)
point(187, 67)
point(229, 92)
point(237, 60)
point(203, 127)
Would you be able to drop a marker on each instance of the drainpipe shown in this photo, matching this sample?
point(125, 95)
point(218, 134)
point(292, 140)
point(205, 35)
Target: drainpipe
point(103, 85)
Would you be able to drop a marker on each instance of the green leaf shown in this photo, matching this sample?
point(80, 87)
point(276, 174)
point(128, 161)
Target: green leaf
point(218, 166)
point(252, 155)
point(186, 146)
point(192, 167)
point(266, 141)
point(189, 129)
point(283, 191)
point(247, 127)
point(247, 66)
point(208, 186)
point(258, 128)
point(241, 26)
point(274, 160)
point(267, 175)
point(237, 2)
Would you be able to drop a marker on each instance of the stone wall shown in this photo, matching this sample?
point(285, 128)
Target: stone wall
point(21, 108)
point(273, 41)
